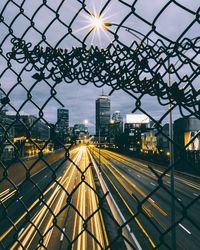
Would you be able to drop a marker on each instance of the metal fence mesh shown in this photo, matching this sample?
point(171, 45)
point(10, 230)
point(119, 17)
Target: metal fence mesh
point(43, 46)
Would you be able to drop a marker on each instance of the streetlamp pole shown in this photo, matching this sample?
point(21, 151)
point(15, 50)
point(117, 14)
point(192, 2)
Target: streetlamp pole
point(171, 150)
point(171, 147)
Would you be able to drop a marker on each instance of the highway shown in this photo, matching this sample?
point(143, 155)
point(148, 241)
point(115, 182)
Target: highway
point(78, 204)
point(131, 182)
point(65, 215)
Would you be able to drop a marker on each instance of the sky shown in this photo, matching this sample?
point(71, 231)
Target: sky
point(80, 100)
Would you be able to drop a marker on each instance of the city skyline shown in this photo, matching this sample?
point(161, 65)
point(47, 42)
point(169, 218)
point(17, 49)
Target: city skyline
point(86, 111)
point(81, 98)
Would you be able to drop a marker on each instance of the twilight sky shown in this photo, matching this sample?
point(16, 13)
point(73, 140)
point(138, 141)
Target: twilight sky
point(80, 100)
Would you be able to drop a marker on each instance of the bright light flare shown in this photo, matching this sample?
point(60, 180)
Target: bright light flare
point(97, 22)
point(86, 122)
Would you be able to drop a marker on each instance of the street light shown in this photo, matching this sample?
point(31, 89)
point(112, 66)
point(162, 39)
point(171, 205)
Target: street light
point(135, 33)
point(97, 22)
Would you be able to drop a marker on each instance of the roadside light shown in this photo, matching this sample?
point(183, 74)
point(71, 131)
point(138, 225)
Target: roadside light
point(97, 22)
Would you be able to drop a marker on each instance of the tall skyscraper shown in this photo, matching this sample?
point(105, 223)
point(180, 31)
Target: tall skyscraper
point(63, 120)
point(102, 115)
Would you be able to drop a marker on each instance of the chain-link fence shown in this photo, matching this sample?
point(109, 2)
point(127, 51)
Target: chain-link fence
point(57, 195)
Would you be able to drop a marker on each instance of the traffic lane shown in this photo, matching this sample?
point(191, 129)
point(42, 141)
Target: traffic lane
point(195, 185)
point(37, 183)
point(32, 180)
point(16, 208)
point(161, 195)
point(50, 229)
point(151, 229)
point(88, 231)
point(30, 231)
point(128, 207)
point(15, 231)
point(184, 197)
point(61, 233)
point(185, 228)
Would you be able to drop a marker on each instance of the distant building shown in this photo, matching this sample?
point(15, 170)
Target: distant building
point(80, 133)
point(187, 136)
point(30, 126)
point(163, 141)
point(31, 133)
point(135, 125)
point(115, 131)
point(7, 133)
point(63, 120)
point(79, 128)
point(102, 115)
point(149, 141)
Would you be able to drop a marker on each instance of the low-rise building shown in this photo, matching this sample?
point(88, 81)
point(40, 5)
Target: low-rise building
point(135, 125)
point(187, 138)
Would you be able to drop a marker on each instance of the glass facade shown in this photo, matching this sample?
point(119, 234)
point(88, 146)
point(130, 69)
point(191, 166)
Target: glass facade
point(102, 115)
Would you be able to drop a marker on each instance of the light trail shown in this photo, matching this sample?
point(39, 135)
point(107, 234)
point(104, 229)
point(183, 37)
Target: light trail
point(126, 160)
point(96, 223)
point(24, 214)
point(131, 212)
point(143, 194)
point(4, 192)
point(152, 201)
point(30, 231)
point(8, 196)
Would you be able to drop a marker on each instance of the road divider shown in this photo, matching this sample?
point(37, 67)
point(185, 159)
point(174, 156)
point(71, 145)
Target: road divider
point(115, 210)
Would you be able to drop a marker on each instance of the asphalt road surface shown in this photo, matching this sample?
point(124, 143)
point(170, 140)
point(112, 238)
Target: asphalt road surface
point(61, 207)
point(131, 182)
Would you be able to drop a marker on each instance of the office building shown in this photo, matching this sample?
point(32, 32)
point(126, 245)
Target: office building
point(115, 127)
point(102, 115)
point(187, 137)
point(63, 120)
point(135, 125)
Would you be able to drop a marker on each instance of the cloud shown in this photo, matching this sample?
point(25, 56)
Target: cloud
point(80, 100)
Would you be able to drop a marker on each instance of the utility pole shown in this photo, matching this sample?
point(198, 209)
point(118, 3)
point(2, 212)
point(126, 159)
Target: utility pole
point(171, 149)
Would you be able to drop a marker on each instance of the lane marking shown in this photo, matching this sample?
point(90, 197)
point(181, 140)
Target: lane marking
point(152, 184)
point(184, 228)
point(20, 232)
point(42, 202)
point(195, 194)
point(62, 235)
